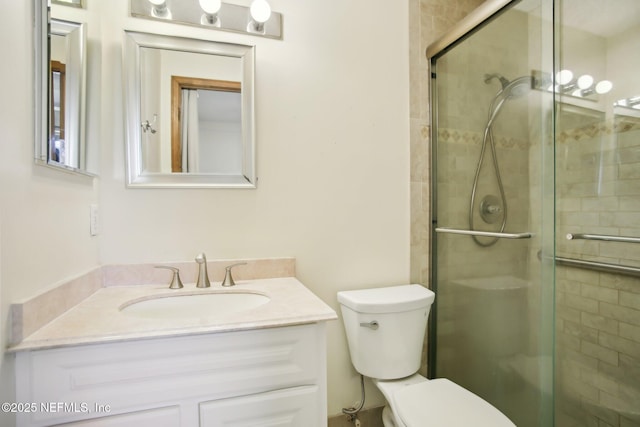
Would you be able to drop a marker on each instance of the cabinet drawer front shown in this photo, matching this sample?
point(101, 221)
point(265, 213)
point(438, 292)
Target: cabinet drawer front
point(162, 417)
point(294, 407)
point(130, 375)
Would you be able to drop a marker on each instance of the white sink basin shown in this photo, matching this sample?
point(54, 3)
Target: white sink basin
point(193, 305)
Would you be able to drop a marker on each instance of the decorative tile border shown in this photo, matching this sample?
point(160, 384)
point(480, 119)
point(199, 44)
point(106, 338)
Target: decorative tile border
point(452, 136)
point(618, 125)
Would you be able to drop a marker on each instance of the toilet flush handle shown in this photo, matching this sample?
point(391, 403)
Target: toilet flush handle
point(371, 325)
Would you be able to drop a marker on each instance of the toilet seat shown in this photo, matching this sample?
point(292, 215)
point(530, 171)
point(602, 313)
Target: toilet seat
point(442, 403)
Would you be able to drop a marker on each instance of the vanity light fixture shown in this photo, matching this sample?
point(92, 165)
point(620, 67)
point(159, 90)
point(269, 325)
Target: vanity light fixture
point(210, 9)
point(604, 86)
point(260, 13)
point(585, 81)
point(159, 9)
point(256, 20)
point(632, 102)
point(564, 77)
point(565, 83)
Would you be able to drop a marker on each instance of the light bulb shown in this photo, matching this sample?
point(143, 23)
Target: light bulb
point(585, 81)
point(564, 76)
point(159, 9)
point(260, 11)
point(604, 86)
point(210, 7)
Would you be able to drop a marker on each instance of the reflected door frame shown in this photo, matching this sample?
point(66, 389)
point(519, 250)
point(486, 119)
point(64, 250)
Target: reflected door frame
point(177, 84)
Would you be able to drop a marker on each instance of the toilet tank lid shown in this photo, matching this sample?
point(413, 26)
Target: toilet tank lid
point(391, 299)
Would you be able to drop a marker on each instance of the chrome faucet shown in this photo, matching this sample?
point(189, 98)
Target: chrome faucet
point(203, 277)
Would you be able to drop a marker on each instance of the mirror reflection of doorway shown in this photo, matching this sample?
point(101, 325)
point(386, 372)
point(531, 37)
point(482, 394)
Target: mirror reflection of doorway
point(57, 109)
point(206, 130)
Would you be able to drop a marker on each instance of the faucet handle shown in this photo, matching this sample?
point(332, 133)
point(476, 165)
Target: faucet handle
point(176, 283)
point(228, 278)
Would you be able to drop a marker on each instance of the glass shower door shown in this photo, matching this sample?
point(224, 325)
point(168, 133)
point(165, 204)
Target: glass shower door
point(598, 204)
point(492, 252)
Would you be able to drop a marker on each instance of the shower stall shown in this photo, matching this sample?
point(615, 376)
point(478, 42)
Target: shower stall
point(535, 254)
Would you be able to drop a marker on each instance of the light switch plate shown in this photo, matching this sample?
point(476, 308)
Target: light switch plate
point(93, 220)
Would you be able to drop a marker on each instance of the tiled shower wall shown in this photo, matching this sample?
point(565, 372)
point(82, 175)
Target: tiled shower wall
point(598, 314)
point(459, 255)
point(429, 19)
point(463, 117)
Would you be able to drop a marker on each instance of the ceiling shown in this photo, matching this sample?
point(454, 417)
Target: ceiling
point(605, 18)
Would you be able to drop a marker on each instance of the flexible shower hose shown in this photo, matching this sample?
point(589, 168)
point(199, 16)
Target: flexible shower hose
point(488, 139)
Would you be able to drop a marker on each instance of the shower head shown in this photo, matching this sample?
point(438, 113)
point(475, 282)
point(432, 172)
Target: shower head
point(518, 87)
point(511, 89)
point(503, 81)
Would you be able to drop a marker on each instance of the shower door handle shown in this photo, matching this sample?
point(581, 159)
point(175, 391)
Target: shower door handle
point(603, 237)
point(484, 233)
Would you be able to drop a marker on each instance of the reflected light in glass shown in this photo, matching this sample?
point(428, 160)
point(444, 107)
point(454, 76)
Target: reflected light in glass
point(604, 86)
point(585, 81)
point(564, 76)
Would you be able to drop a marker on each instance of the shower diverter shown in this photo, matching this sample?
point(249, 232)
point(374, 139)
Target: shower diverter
point(490, 209)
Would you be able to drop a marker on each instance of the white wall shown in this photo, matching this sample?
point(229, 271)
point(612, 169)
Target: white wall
point(332, 108)
point(44, 214)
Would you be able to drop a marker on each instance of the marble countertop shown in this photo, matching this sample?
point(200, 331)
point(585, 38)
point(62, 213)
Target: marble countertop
point(98, 318)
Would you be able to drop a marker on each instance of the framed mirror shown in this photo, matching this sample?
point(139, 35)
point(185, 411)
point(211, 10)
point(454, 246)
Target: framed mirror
point(190, 112)
point(60, 92)
point(74, 3)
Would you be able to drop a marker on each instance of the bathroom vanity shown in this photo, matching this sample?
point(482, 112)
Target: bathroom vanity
point(97, 365)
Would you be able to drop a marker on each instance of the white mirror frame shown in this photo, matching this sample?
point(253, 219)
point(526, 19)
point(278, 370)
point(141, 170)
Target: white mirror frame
point(76, 107)
point(136, 177)
point(73, 3)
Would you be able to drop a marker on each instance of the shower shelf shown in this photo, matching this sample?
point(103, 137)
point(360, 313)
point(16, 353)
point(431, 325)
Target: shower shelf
point(484, 233)
point(603, 237)
point(599, 266)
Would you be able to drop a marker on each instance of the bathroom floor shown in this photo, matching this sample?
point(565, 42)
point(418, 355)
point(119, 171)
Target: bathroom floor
point(368, 418)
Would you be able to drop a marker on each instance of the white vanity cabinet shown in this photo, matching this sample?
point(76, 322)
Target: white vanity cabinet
point(262, 377)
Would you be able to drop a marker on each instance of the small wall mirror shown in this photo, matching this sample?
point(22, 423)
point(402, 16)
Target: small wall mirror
point(190, 115)
point(74, 3)
point(60, 91)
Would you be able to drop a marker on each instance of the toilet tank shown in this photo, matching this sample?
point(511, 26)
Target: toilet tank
point(385, 328)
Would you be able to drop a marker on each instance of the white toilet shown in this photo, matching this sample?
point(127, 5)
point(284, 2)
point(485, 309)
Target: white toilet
point(385, 329)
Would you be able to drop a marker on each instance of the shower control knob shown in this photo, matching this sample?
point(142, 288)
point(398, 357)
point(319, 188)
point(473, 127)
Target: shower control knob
point(490, 209)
